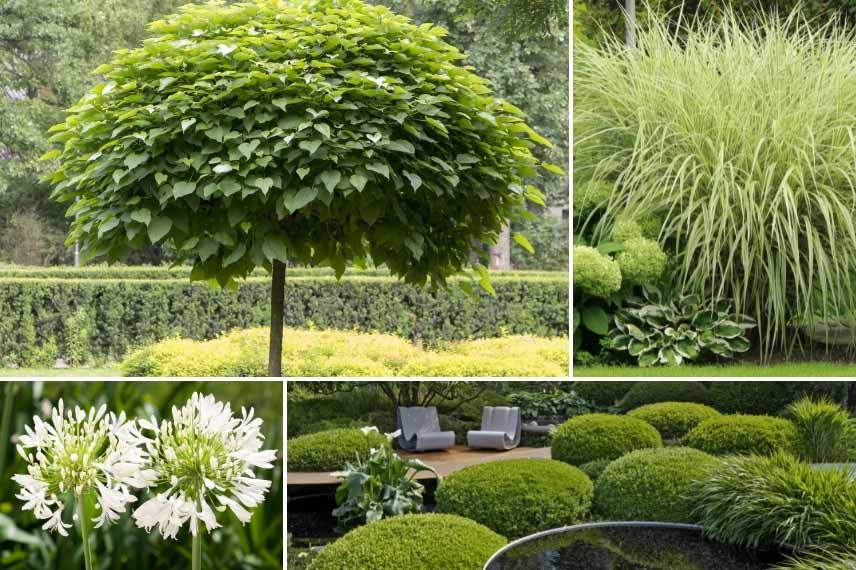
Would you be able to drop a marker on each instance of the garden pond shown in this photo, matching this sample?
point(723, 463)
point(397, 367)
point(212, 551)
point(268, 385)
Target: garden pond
point(627, 546)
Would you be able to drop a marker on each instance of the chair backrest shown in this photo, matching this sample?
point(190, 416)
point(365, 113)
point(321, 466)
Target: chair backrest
point(418, 420)
point(501, 418)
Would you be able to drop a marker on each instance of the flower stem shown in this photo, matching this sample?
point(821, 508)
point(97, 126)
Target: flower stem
point(85, 530)
point(197, 549)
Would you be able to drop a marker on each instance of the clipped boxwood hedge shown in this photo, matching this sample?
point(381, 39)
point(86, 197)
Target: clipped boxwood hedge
point(330, 450)
point(651, 484)
point(643, 393)
point(743, 435)
point(517, 497)
point(127, 312)
point(600, 392)
point(339, 353)
point(412, 542)
point(601, 436)
point(760, 398)
point(674, 419)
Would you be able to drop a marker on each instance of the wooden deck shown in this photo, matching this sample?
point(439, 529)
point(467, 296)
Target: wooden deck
point(444, 462)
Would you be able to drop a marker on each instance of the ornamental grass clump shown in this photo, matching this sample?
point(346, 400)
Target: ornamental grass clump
point(741, 137)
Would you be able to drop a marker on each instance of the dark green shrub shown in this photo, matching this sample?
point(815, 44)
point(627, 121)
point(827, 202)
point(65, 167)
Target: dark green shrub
point(651, 484)
point(594, 469)
point(602, 393)
point(773, 500)
point(760, 398)
point(743, 435)
point(331, 450)
point(517, 497)
point(643, 393)
point(412, 542)
point(601, 436)
point(130, 312)
point(673, 419)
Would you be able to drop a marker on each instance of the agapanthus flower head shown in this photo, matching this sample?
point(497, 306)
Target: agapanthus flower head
point(77, 453)
point(204, 458)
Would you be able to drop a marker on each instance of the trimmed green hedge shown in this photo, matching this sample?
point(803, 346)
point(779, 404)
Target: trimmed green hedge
point(126, 313)
point(346, 353)
point(761, 398)
point(651, 484)
point(743, 435)
point(412, 542)
point(594, 469)
point(643, 393)
point(602, 393)
point(517, 497)
point(591, 437)
point(330, 450)
point(674, 419)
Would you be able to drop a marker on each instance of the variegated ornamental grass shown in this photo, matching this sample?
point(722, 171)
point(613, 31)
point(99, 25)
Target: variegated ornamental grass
point(330, 131)
point(742, 137)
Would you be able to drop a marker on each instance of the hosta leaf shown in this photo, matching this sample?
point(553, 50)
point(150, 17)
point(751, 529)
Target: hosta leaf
point(621, 342)
point(727, 329)
point(648, 359)
point(595, 319)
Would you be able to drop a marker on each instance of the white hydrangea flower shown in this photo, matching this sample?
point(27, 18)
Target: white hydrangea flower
point(77, 453)
point(204, 459)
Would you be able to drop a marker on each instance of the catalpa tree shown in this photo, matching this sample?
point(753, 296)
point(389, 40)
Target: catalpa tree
point(331, 132)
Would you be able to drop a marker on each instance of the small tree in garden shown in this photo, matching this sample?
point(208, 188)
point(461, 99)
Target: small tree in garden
point(323, 131)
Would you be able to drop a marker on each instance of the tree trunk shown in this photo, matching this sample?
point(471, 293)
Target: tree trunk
point(277, 310)
point(500, 254)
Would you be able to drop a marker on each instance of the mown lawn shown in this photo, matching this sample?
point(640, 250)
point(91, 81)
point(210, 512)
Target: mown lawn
point(49, 372)
point(785, 369)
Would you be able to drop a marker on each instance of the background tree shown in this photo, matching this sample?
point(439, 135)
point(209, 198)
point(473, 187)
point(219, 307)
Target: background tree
point(334, 133)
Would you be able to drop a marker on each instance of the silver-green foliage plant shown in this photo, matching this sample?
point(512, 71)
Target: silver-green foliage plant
point(826, 432)
point(656, 331)
point(741, 137)
point(380, 486)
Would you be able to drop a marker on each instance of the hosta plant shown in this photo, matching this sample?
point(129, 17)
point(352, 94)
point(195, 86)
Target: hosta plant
point(381, 486)
point(656, 331)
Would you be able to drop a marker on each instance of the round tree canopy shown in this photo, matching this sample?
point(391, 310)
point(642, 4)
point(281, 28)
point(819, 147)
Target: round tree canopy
point(328, 131)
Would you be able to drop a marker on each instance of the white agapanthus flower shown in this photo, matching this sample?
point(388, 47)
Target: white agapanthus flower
point(77, 453)
point(204, 459)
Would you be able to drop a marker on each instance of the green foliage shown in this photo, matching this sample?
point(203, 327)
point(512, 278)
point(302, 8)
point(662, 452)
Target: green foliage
point(380, 486)
point(763, 501)
point(601, 436)
point(141, 309)
point(595, 274)
point(657, 331)
point(591, 196)
point(293, 135)
point(642, 261)
point(845, 560)
point(825, 431)
point(741, 434)
point(548, 236)
point(594, 469)
point(758, 397)
point(415, 542)
point(78, 330)
point(626, 229)
point(651, 485)
point(643, 393)
point(604, 393)
point(332, 450)
point(517, 497)
point(673, 419)
point(757, 196)
point(555, 403)
point(340, 353)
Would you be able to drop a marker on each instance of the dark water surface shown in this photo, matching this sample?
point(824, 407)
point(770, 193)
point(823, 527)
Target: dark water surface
point(624, 547)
